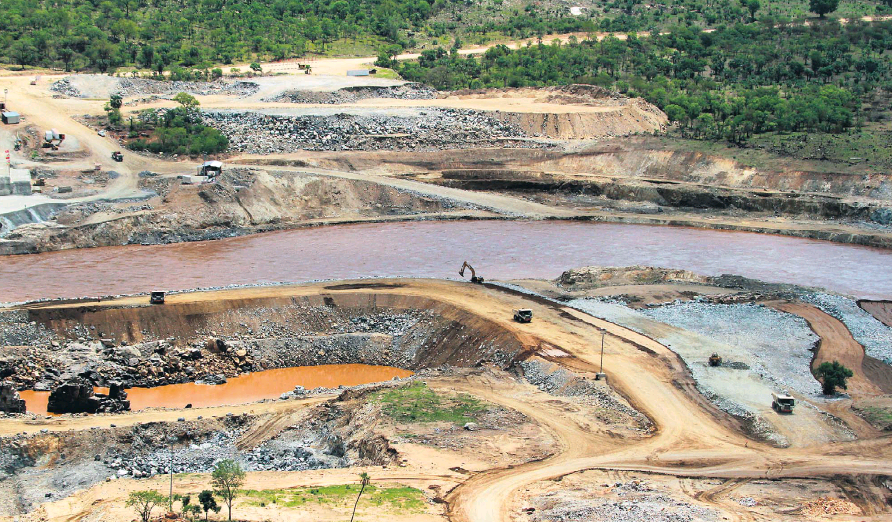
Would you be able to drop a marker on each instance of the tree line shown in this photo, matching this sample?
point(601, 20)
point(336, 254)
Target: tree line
point(731, 83)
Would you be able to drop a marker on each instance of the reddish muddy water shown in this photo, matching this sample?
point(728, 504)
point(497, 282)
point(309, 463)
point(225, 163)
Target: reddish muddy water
point(497, 249)
point(268, 384)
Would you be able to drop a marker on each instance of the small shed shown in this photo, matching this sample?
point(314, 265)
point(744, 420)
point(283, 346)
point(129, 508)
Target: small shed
point(358, 72)
point(210, 168)
point(10, 117)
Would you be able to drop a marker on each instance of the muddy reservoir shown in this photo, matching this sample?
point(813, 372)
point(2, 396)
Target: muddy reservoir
point(498, 249)
point(268, 384)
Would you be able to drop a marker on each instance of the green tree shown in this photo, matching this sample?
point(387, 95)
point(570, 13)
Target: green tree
point(115, 101)
point(365, 480)
point(753, 6)
point(186, 100)
point(144, 501)
point(256, 67)
point(208, 502)
point(226, 479)
point(822, 7)
point(833, 375)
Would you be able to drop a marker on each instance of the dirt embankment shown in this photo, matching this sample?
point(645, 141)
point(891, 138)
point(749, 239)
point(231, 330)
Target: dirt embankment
point(242, 202)
point(182, 342)
point(602, 113)
point(881, 310)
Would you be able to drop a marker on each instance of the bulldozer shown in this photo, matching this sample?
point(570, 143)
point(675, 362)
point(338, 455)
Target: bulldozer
point(474, 278)
point(52, 139)
point(715, 360)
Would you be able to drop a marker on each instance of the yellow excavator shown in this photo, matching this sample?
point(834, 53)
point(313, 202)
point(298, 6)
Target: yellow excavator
point(474, 278)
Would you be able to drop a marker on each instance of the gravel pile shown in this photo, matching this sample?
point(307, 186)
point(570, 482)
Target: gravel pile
point(408, 91)
point(432, 129)
point(779, 344)
point(127, 87)
point(65, 88)
point(565, 383)
point(635, 501)
point(141, 87)
point(866, 329)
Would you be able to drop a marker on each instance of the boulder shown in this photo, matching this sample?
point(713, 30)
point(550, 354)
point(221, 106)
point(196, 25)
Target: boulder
point(10, 401)
point(77, 396)
point(73, 396)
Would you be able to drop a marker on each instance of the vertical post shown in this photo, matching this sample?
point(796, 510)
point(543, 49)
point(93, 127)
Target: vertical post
point(603, 333)
point(170, 496)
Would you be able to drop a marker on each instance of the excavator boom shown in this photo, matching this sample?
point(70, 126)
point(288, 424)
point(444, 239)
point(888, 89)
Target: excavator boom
point(474, 278)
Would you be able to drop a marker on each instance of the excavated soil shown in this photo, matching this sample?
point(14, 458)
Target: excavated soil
point(881, 310)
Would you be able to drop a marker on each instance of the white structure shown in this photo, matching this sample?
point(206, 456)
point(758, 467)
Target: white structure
point(15, 183)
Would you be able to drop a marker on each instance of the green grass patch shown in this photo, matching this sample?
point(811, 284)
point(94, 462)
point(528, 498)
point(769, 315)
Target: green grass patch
point(386, 73)
point(398, 498)
point(878, 416)
point(418, 403)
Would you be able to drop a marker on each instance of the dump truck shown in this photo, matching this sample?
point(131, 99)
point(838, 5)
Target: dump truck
point(523, 315)
point(715, 360)
point(117, 156)
point(156, 297)
point(782, 402)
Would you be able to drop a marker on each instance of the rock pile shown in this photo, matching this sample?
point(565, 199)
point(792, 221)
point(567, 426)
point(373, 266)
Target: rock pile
point(407, 91)
point(564, 383)
point(10, 401)
point(432, 129)
point(140, 87)
point(77, 396)
point(65, 88)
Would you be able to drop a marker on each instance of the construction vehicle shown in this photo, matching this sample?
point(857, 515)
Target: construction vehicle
point(35, 80)
point(156, 298)
point(523, 315)
point(715, 360)
point(782, 402)
point(117, 156)
point(474, 278)
point(52, 139)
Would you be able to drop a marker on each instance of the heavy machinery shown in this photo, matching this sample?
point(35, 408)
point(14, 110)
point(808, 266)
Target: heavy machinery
point(523, 315)
point(715, 360)
point(156, 298)
point(782, 402)
point(117, 156)
point(52, 139)
point(474, 278)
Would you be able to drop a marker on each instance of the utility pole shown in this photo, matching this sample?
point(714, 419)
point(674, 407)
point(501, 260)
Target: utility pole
point(601, 375)
point(170, 442)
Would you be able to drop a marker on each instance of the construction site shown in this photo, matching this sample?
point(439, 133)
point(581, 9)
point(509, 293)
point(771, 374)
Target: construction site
point(517, 304)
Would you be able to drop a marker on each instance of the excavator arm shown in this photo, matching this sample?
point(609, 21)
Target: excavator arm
point(474, 278)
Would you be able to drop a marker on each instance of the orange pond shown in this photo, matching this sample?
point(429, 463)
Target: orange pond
point(268, 384)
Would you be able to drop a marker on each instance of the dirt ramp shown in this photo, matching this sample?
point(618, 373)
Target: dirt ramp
point(631, 117)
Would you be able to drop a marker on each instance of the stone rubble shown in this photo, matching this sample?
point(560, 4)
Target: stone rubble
point(127, 87)
point(866, 329)
point(407, 91)
point(433, 129)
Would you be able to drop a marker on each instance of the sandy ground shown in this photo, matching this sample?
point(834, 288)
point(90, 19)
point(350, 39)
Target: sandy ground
point(691, 438)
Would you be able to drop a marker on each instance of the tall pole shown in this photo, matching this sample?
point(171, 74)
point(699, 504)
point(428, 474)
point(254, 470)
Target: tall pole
point(603, 333)
point(170, 496)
